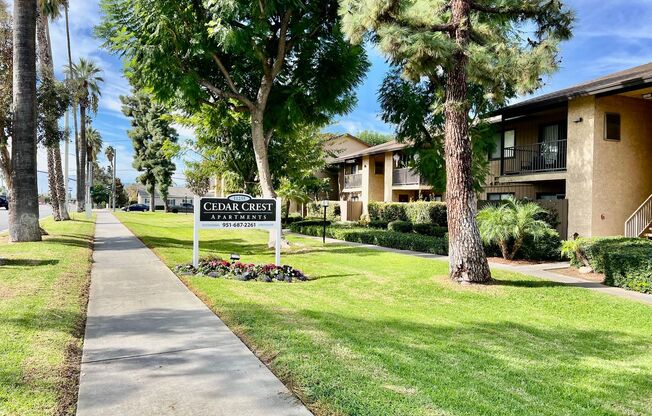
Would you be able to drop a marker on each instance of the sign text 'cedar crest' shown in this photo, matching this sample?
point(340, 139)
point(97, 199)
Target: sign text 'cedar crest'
point(238, 211)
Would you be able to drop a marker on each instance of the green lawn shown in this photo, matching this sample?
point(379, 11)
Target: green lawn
point(386, 334)
point(42, 308)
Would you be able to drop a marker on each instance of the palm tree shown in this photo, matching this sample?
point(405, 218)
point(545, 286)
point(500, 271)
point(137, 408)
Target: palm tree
point(94, 144)
point(51, 9)
point(85, 81)
point(24, 211)
point(509, 223)
point(110, 155)
point(78, 166)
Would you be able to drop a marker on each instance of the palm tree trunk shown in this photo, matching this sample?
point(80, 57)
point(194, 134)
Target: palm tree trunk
point(468, 263)
point(78, 165)
point(81, 149)
point(54, 191)
point(24, 211)
point(61, 185)
point(47, 75)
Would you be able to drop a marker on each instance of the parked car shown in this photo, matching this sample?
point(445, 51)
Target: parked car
point(184, 207)
point(4, 202)
point(136, 207)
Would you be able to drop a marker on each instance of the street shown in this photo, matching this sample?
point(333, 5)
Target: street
point(44, 211)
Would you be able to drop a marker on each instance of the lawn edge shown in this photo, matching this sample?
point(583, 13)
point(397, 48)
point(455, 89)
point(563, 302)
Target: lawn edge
point(267, 361)
point(70, 370)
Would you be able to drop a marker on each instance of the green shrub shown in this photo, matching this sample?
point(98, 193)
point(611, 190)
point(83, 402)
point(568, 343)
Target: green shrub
point(430, 229)
point(316, 210)
point(630, 269)
point(382, 225)
point(383, 238)
point(545, 247)
point(308, 223)
point(625, 262)
point(596, 249)
point(510, 223)
point(415, 212)
point(400, 226)
point(295, 217)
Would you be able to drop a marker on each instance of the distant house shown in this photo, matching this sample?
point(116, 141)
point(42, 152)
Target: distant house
point(176, 196)
point(585, 149)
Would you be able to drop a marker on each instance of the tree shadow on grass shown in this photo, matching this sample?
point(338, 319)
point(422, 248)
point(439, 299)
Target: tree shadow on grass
point(542, 283)
point(27, 262)
point(69, 241)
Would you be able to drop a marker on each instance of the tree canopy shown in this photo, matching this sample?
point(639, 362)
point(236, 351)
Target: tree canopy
point(285, 64)
point(151, 135)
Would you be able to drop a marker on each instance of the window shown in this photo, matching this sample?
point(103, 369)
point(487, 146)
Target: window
point(612, 126)
point(549, 196)
point(509, 136)
point(351, 168)
point(379, 167)
point(499, 196)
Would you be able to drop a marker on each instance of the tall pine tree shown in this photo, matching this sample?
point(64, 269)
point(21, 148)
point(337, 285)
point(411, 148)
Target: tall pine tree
point(501, 46)
point(151, 135)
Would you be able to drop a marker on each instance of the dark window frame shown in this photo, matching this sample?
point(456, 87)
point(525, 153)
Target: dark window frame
point(380, 163)
point(500, 195)
point(501, 146)
point(606, 127)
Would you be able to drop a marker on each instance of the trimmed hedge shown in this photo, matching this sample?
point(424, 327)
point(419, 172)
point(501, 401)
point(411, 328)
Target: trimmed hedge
point(414, 212)
point(308, 223)
point(625, 262)
point(383, 238)
point(400, 226)
point(316, 210)
point(631, 269)
point(430, 229)
point(597, 249)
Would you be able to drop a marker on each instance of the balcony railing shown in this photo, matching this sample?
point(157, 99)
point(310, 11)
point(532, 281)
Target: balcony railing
point(534, 158)
point(353, 181)
point(406, 176)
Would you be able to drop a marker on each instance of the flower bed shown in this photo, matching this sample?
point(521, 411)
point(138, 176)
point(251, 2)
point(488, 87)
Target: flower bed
point(216, 267)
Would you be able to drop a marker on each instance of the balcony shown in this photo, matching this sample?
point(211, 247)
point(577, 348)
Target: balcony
point(405, 176)
point(353, 181)
point(534, 158)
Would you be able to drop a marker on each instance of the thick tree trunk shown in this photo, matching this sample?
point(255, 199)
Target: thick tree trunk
point(262, 162)
point(24, 210)
point(152, 196)
point(81, 149)
point(468, 263)
point(260, 151)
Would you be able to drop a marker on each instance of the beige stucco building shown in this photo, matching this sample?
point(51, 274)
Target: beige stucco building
point(588, 147)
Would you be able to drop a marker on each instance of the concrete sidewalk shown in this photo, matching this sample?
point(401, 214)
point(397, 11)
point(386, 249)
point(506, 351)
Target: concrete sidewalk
point(153, 348)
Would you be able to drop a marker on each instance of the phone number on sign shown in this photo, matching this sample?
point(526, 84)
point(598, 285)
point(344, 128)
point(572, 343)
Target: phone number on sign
point(238, 225)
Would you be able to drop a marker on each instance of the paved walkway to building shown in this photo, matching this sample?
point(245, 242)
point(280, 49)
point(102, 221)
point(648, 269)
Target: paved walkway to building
point(543, 271)
point(153, 348)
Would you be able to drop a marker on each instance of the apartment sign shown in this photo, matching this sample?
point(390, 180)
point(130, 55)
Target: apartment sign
point(237, 211)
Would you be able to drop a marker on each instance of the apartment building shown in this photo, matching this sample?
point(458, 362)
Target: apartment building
point(588, 146)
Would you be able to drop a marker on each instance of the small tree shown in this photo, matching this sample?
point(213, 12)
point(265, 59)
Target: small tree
point(292, 191)
point(508, 223)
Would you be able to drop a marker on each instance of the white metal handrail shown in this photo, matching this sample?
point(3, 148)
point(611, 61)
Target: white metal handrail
point(640, 220)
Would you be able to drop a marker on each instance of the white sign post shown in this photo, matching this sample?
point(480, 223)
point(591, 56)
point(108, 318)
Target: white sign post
point(236, 211)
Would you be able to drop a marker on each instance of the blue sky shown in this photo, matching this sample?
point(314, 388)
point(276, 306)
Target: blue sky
point(609, 36)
